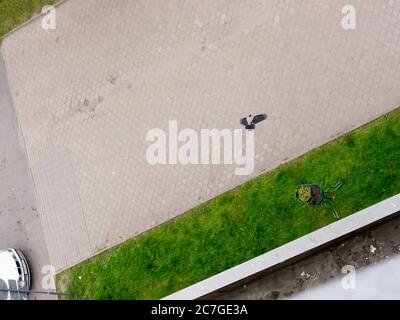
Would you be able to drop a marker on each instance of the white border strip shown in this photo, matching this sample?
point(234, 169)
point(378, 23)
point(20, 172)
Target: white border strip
point(290, 250)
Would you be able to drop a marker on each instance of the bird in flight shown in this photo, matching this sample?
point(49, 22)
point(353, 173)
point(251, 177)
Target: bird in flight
point(250, 122)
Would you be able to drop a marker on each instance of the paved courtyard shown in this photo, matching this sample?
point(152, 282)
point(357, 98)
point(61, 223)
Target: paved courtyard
point(20, 225)
point(87, 93)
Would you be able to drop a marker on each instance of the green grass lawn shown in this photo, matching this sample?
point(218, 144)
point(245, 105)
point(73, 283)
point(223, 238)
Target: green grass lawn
point(15, 12)
point(247, 221)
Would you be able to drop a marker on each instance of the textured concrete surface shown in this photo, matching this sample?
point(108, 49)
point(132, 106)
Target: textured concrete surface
point(87, 93)
point(368, 252)
point(20, 225)
point(287, 253)
point(378, 282)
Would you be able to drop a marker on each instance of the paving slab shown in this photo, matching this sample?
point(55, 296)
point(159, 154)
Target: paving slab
point(87, 93)
point(20, 225)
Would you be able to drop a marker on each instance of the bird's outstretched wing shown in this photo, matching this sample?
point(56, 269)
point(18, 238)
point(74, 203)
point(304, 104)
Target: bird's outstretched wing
point(258, 118)
point(243, 122)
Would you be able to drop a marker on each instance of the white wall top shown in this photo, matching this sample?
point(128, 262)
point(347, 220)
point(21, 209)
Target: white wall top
point(298, 247)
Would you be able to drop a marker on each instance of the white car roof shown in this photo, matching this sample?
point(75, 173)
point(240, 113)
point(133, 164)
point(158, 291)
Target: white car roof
point(8, 267)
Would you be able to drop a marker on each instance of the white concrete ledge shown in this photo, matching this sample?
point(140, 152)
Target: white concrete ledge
point(289, 251)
